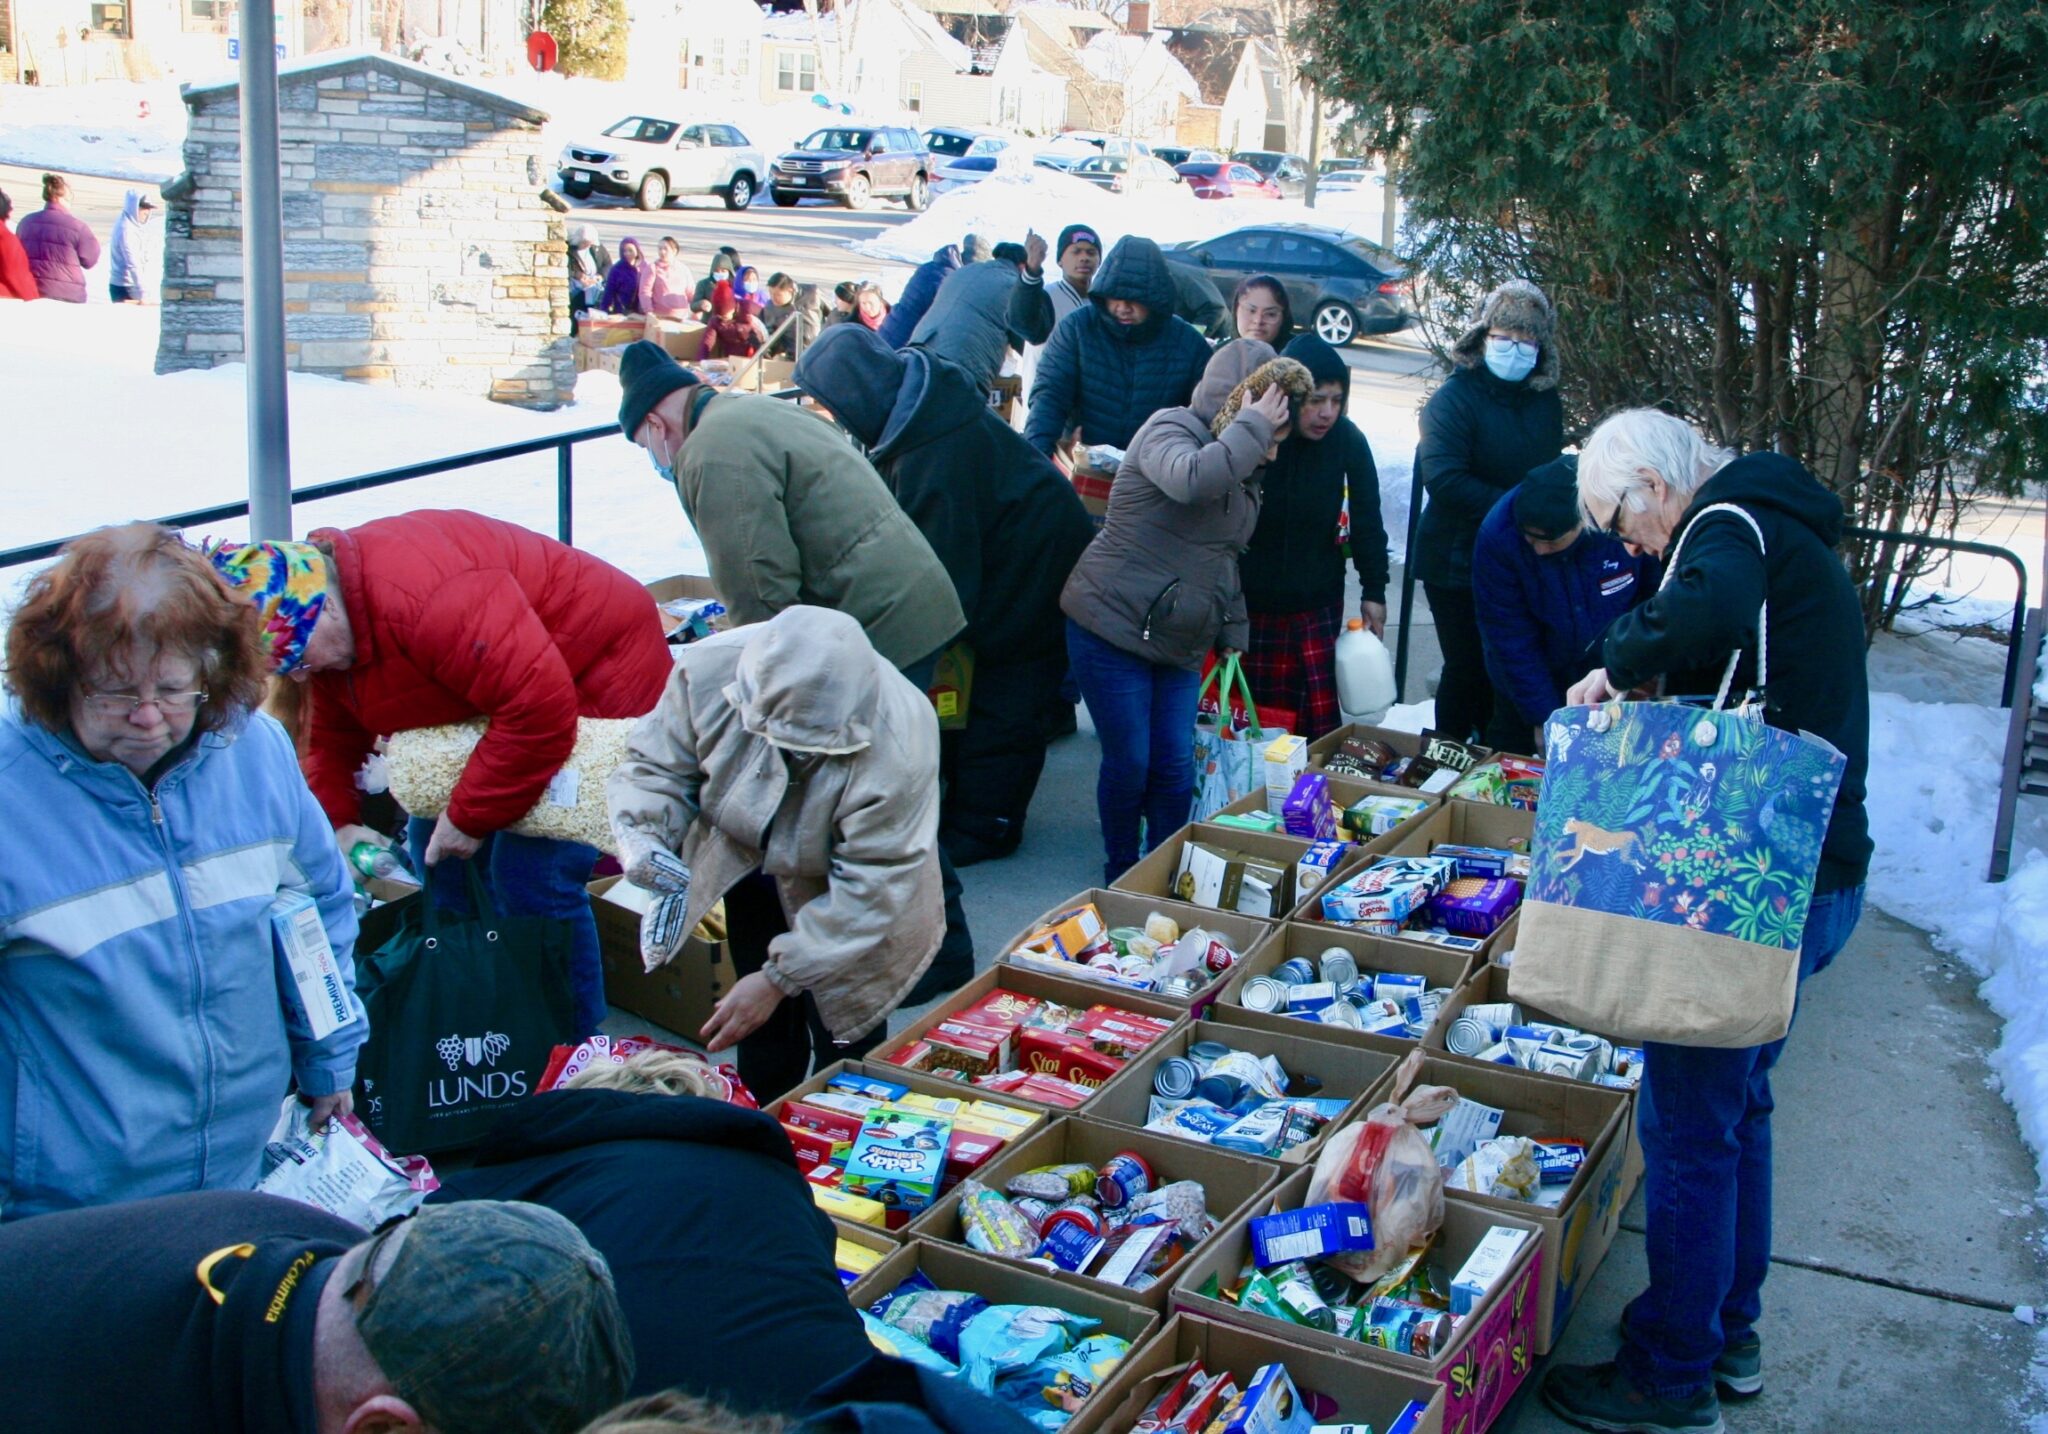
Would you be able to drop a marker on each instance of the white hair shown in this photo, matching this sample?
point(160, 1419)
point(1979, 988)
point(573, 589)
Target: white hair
point(586, 234)
point(1632, 446)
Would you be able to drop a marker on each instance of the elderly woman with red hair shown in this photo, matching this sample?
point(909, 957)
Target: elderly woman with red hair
point(147, 1027)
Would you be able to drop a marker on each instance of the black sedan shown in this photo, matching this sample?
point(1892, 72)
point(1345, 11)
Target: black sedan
point(1338, 284)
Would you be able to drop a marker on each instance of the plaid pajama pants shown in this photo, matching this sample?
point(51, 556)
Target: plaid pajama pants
point(1293, 663)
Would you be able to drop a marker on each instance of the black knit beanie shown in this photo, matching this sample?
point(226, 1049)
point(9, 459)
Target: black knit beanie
point(1072, 232)
point(647, 375)
point(1547, 503)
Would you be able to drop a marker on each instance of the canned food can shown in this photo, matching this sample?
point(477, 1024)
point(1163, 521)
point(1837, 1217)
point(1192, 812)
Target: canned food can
point(1340, 968)
point(1467, 1037)
point(1263, 993)
point(1184, 987)
point(1218, 957)
point(1312, 997)
point(1203, 1052)
point(1072, 1213)
point(1295, 971)
point(1175, 1079)
point(1341, 1013)
point(1033, 1210)
point(1221, 1090)
point(1122, 1179)
point(1497, 1016)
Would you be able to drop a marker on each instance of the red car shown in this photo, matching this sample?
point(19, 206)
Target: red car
point(1226, 179)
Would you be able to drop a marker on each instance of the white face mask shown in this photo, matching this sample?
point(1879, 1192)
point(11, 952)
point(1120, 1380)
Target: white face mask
point(1510, 360)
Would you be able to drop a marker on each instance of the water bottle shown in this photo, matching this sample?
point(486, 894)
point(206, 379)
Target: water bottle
point(1365, 675)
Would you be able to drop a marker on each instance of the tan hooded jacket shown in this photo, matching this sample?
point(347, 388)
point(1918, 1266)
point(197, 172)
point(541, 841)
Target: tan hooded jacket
point(794, 747)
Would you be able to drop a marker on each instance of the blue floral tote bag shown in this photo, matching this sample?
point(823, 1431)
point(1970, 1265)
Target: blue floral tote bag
point(1672, 866)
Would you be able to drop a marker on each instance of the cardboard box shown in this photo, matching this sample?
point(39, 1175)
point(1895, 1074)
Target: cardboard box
point(1577, 1232)
point(1232, 1181)
point(1346, 1071)
point(1122, 908)
point(1007, 1282)
point(1467, 824)
point(1154, 875)
point(679, 996)
point(1364, 1393)
point(1489, 984)
point(1345, 791)
point(1449, 969)
point(1488, 1358)
point(1405, 744)
point(682, 338)
point(914, 1081)
point(1028, 981)
point(688, 586)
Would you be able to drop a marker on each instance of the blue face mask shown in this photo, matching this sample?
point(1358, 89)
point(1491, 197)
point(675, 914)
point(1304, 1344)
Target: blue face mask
point(660, 468)
point(1510, 360)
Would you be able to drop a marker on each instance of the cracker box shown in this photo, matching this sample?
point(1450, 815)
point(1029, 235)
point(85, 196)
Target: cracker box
point(899, 1159)
point(1284, 759)
point(1068, 935)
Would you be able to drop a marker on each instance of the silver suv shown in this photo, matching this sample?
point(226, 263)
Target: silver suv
point(649, 160)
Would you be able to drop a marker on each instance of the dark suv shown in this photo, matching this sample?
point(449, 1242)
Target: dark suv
point(853, 164)
point(1289, 171)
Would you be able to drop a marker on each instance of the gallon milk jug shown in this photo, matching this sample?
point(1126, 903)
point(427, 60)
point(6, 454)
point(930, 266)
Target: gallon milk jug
point(1365, 675)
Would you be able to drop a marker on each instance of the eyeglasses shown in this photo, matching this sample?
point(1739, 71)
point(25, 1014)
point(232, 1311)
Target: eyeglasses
point(125, 704)
point(1612, 527)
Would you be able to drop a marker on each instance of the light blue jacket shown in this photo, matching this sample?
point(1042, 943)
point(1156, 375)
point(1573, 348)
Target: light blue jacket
point(145, 1043)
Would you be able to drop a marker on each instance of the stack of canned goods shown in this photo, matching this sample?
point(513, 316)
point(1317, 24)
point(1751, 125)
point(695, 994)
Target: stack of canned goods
point(1501, 1032)
point(1333, 991)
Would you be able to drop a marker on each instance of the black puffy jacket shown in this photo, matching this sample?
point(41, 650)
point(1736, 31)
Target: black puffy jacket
point(1109, 377)
point(1294, 562)
point(1708, 608)
point(1480, 437)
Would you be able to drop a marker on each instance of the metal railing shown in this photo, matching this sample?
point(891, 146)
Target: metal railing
point(2014, 636)
point(562, 444)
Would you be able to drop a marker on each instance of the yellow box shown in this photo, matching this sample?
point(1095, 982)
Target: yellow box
point(1066, 935)
point(857, 1208)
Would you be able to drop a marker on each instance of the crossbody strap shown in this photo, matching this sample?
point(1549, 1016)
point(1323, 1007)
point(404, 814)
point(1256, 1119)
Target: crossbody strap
point(1763, 616)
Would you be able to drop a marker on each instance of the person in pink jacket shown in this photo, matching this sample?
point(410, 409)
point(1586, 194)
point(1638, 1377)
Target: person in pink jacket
point(665, 284)
point(59, 245)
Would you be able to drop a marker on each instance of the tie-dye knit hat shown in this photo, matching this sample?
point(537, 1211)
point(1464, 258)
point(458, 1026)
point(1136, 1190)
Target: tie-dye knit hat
point(287, 582)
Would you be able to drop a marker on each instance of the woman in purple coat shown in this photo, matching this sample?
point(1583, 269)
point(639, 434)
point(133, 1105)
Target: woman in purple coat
point(622, 287)
point(59, 246)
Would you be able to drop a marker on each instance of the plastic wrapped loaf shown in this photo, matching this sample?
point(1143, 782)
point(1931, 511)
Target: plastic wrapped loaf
point(425, 764)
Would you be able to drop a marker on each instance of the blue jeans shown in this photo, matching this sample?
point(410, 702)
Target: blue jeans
point(1704, 1116)
point(529, 876)
point(1145, 714)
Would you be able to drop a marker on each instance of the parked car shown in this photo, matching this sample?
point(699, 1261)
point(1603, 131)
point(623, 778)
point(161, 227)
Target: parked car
point(853, 164)
point(947, 141)
point(949, 175)
point(1175, 155)
point(1222, 179)
point(650, 160)
point(1289, 171)
point(1120, 175)
point(1344, 181)
point(1345, 285)
point(1331, 166)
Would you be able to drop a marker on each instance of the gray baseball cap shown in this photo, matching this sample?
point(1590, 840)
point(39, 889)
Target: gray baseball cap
point(494, 1317)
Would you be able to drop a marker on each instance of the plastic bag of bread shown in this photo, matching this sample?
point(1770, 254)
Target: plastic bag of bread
point(425, 764)
point(1386, 1164)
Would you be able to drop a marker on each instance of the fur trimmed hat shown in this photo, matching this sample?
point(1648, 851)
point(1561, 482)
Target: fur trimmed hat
point(1291, 374)
point(1517, 304)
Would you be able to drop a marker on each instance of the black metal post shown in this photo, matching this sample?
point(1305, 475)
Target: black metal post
point(565, 491)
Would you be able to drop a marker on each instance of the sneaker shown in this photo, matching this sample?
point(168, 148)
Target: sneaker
point(1601, 1397)
point(1739, 1372)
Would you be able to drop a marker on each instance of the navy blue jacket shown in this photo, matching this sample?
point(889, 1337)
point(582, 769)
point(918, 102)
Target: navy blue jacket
point(1110, 378)
point(918, 292)
point(1542, 618)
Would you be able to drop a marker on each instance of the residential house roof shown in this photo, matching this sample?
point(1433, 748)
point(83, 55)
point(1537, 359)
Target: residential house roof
point(1211, 56)
point(348, 62)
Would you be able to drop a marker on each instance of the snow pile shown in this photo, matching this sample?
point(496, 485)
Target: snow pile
point(1933, 791)
point(1005, 206)
point(180, 445)
point(116, 129)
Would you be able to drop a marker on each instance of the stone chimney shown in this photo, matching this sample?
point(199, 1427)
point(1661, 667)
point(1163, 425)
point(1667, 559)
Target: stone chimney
point(1138, 17)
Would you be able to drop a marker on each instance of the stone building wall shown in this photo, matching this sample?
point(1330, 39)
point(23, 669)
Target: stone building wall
point(417, 250)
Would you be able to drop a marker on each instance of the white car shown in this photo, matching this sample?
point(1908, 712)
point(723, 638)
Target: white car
point(950, 175)
point(649, 160)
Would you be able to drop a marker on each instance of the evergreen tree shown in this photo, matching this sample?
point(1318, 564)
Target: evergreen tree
point(1806, 226)
point(591, 34)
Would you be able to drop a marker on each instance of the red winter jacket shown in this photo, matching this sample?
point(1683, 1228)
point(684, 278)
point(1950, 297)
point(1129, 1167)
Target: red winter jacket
point(458, 616)
point(16, 282)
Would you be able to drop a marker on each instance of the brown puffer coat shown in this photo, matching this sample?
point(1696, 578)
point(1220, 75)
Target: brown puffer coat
point(1160, 580)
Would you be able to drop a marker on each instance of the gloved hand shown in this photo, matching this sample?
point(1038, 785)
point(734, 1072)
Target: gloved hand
point(662, 931)
point(659, 870)
point(650, 866)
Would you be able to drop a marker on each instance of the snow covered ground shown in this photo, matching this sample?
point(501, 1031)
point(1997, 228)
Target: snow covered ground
point(123, 131)
point(178, 445)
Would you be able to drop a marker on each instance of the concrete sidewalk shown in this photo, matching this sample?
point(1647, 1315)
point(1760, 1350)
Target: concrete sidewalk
point(1907, 1229)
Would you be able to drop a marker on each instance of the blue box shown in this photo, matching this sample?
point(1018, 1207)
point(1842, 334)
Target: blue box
point(1311, 1233)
